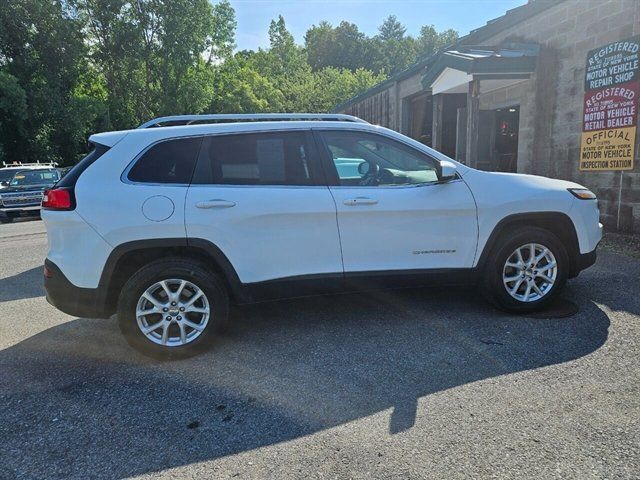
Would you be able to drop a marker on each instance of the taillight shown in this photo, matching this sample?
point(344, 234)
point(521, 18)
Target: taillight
point(58, 199)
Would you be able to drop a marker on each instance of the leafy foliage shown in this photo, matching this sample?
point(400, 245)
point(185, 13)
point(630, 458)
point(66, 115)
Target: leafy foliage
point(72, 67)
point(389, 52)
point(41, 52)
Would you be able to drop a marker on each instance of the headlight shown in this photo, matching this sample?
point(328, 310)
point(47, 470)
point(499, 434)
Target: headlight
point(582, 193)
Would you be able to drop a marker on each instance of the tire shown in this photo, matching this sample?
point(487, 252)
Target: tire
point(6, 219)
point(497, 276)
point(181, 340)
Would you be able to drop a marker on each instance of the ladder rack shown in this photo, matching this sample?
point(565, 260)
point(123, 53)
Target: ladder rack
point(31, 164)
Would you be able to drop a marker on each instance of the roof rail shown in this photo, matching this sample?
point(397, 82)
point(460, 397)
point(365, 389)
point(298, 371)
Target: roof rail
point(31, 164)
point(246, 117)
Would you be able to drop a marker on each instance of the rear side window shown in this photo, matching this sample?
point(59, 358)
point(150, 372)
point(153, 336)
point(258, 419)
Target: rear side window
point(274, 158)
point(170, 161)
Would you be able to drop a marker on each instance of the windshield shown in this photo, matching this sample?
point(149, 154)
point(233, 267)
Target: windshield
point(34, 177)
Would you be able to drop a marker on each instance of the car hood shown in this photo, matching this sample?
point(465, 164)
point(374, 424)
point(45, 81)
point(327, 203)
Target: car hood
point(511, 193)
point(527, 182)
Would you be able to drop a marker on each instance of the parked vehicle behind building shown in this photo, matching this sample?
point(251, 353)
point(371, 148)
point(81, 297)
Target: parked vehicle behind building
point(177, 222)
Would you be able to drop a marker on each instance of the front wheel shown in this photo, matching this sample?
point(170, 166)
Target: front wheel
point(172, 308)
point(526, 270)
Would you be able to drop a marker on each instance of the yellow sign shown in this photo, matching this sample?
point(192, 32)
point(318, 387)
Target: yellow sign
point(608, 149)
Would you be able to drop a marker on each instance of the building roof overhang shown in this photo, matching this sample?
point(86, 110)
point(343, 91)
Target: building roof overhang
point(511, 18)
point(454, 69)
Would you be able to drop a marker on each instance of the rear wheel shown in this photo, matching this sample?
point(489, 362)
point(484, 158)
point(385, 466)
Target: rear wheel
point(172, 308)
point(526, 270)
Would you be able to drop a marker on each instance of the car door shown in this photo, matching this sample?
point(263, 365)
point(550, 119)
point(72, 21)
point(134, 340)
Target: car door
point(148, 196)
point(262, 199)
point(393, 213)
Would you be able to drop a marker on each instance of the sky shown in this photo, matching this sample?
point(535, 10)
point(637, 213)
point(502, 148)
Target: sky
point(253, 16)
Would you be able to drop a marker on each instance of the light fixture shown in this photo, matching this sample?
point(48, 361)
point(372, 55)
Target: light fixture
point(582, 193)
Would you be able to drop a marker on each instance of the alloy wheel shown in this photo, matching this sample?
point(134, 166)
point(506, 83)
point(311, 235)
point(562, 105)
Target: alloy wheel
point(530, 272)
point(173, 312)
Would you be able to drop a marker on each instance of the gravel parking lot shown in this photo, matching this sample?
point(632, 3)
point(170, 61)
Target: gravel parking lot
point(408, 384)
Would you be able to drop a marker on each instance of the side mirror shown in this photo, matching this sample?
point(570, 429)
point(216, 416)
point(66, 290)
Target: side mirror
point(4, 184)
point(448, 171)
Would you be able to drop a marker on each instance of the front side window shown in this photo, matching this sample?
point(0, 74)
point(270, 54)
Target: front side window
point(170, 161)
point(365, 159)
point(274, 158)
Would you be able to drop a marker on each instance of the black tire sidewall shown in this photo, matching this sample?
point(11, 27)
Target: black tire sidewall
point(207, 281)
point(493, 284)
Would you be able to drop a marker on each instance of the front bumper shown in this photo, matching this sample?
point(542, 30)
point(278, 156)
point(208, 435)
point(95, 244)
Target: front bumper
point(19, 211)
point(72, 300)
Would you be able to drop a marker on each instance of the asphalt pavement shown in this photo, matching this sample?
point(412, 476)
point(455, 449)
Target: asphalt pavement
point(407, 384)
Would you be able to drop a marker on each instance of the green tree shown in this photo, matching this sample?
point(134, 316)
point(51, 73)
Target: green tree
point(332, 86)
point(42, 57)
point(221, 40)
point(391, 29)
point(71, 67)
point(285, 66)
point(284, 56)
point(390, 51)
point(430, 40)
point(394, 51)
point(343, 46)
point(13, 114)
point(320, 42)
point(240, 88)
point(280, 40)
point(157, 57)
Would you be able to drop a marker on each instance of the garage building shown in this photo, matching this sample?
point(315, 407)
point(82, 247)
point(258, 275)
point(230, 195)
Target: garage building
point(517, 95)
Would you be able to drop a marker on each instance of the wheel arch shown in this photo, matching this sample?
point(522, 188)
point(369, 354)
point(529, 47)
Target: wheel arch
point(558, 223)
point(129, 257)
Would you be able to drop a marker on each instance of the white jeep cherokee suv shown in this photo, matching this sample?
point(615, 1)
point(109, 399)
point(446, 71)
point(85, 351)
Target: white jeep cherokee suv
point(166, 226)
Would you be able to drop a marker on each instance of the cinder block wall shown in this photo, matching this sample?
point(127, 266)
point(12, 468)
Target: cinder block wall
point(551, 101)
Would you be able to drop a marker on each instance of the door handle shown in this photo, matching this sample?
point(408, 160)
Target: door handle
point(217, 203)
point(360, 201)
